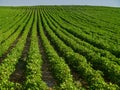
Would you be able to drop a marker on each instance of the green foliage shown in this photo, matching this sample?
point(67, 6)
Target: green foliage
point(80, 39)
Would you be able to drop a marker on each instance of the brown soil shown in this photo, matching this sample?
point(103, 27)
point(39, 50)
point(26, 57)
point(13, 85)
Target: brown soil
point(19, 74)
point(46, 73)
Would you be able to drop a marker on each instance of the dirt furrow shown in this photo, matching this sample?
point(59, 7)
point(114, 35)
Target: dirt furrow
point(19, 74)
point(46, 73)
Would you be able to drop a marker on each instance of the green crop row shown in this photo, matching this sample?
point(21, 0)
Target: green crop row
point(60, 70)
point(6, 35)
point(7, 43)
point(92, 38)
point(8, 65)
point(77, 62)
point(102, 53)
point(108, 67)
point(34, 64)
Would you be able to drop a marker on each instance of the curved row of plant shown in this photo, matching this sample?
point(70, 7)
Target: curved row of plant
point(9, 63)
point(19, 30)
point(113, 48)
point(108, 67)
point(59, 68)
point(102, 53)
point(9, 30)
point(34, 64)
point(77, 61)
point(11, 22)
